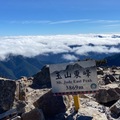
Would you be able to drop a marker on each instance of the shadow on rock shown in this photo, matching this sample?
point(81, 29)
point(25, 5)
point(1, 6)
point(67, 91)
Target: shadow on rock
point(84, 118)
point(52, 105)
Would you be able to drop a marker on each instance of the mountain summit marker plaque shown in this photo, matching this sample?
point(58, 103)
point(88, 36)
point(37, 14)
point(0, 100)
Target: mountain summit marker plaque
point(74, 78)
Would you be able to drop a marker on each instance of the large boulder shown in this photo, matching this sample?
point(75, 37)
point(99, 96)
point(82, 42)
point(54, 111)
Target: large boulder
point(42, 78)
point(7, 94)
point(35, 114)
point(108, 93)
point(52, 105)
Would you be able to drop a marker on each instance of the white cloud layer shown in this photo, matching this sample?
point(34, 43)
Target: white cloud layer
point(65, 21)
point(69, 57)
point(31, 46)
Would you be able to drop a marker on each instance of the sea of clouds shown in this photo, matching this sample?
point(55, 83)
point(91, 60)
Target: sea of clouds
point(30, 46)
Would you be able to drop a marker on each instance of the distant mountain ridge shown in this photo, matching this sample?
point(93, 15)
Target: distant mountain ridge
point(17, 66)
point(113, 60)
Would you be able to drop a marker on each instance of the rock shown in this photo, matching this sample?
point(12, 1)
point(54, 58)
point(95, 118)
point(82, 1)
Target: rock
point(34, 94)
point(30, 78)
point(113, 67)
point(20, 106)
point(42, 78)
point(61, 116)
point(52, 105)
point(109, 79)
point(90, 110)
point(24, 78)
point(7, 94)
point(35, 114)
point(22, 91)
point(115, 109)
point(17, 118)
point(108, 93)
point(8, 113)
point(29, 107)
point(100, 71)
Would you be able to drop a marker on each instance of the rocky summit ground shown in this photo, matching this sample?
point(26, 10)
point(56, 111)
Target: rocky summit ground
point(32, 99)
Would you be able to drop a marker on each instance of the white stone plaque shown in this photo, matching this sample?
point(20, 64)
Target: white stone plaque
point(74, 78)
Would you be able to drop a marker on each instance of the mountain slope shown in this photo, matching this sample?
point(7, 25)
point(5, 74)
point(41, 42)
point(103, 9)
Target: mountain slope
point(6, 72)
point(18, 66)
point(113, 60)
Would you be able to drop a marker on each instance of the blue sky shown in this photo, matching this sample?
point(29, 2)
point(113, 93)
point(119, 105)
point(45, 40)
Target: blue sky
point(50, 17)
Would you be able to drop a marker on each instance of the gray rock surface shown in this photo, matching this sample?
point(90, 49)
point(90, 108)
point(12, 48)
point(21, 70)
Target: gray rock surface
point(35, 114)
point(7, 94)
point(108, 93)
point(115, 109)
point(42, 78)
point(100, 71)
point(62, 107)
point(109, 79)
point(20, 106)
point(52, 105)
point(16, 118)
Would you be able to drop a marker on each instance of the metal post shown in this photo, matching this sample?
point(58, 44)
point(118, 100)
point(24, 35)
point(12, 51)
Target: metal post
point(76, 102)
